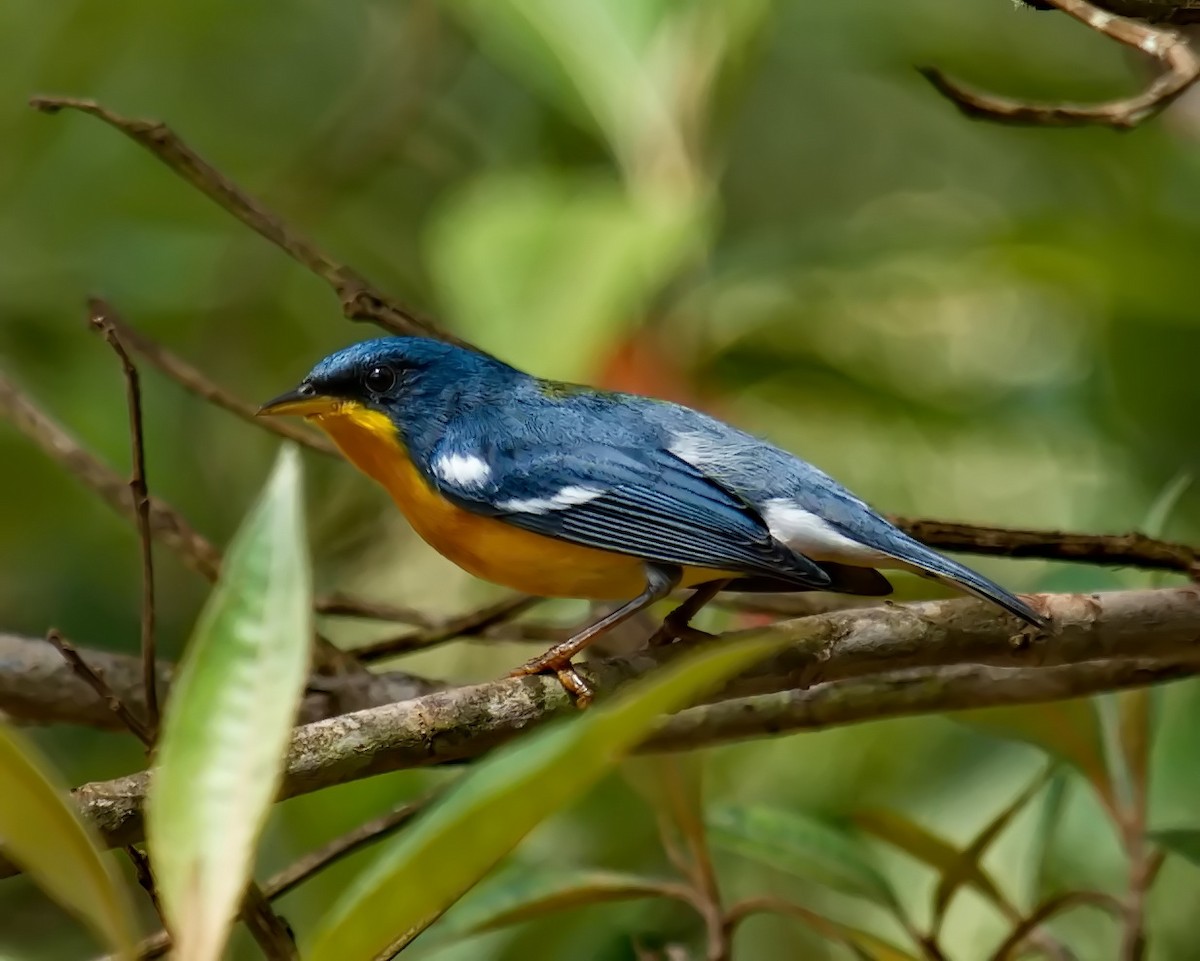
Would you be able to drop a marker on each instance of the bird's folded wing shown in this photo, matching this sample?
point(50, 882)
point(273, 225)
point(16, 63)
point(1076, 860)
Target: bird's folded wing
point(642, 502)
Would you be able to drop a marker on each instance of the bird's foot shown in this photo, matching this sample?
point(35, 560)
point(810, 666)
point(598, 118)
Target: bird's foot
point(575, 686)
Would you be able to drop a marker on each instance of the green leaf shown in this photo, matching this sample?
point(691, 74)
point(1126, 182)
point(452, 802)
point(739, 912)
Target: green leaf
point(455, 843)
point(801, 845)
point(931, 849)
point(522, 894)
point(1069, 730)
point(41, 831)
point(1182, 841)
point(559, 266)
point(227, 724)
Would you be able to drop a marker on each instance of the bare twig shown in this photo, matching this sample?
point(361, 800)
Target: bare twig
point(145, 877)
point(365, 834)
point(270, 932)
point(1181, 69)
point(193, 381)
point(100, 317)
point(97, 683)
point(166, 523)
point(343, 605)
point(1120, 550)
point(359, 299)
point(464, 625)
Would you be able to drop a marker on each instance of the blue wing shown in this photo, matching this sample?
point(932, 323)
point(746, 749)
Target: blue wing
point(638, 501)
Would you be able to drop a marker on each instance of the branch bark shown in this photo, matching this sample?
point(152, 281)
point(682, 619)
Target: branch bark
point(936, 656)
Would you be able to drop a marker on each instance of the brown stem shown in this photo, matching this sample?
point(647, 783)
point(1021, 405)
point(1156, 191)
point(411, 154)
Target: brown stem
point(463, 625)
point(359, 299)
point(97, 683)
point(100, 318)
point(1181, 69)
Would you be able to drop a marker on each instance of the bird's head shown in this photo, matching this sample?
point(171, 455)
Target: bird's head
point(396, 378)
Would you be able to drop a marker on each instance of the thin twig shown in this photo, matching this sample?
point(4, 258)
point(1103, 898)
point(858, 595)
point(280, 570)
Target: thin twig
point(193, 381)
point(1181, 69)
point(359, 299)
point(464, 625)
point(100, 318)
point(365, 834)
point(343, 605)
point(97, 683)
point(1120, 550)
point(145, 877)
point(166, 523)
point(272, 934)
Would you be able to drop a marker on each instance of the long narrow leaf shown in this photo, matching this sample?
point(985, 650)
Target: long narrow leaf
point(40, 831)
point(929, 848)
point(225, 732)
point(457, 842)
point(801, 845)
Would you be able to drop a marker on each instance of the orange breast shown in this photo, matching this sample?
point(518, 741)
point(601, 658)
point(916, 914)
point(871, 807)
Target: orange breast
point(484, 546)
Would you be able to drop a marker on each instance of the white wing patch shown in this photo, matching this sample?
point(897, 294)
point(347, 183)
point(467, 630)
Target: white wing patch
point(812, 536)
point(569, 496)
point(702, 450)
point(463, 470)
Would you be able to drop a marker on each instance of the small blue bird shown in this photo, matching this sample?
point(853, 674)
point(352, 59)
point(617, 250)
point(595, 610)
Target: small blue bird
point(561, 490)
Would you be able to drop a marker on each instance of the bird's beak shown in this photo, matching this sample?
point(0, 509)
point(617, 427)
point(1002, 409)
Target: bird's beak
point(303, 401)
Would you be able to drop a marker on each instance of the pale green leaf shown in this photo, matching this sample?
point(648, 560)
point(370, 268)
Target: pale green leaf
point(801, 845)
point(448, 849)
point(227, 724)
point(41, 831)
point(558, 266)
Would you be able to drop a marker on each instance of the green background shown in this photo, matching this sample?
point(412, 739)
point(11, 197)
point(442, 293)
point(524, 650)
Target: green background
point(757, 208)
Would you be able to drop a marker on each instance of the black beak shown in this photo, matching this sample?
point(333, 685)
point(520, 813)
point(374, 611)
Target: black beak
point(303, 401)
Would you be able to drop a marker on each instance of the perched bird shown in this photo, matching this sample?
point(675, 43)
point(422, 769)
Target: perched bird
point(561, 490)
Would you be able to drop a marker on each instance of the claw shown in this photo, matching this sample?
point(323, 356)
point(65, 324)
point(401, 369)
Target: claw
point(575, 686)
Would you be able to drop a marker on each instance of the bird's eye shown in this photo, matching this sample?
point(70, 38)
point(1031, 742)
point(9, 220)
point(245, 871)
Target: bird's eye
point(379, 380)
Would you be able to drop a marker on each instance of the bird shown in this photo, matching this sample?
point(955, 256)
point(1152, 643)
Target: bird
point(564, 490)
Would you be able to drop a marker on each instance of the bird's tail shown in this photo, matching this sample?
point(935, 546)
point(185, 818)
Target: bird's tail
point(930, 562)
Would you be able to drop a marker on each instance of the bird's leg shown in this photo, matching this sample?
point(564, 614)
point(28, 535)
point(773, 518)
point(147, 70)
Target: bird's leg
point(661, 579)
point(675, 626)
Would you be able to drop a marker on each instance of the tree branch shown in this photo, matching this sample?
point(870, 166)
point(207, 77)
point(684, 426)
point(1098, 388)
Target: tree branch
point(38, 687)
point(359, 299)
point(1181, 69)
point(938, 656)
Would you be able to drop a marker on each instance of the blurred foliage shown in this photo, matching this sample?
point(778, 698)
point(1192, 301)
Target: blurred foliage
point(757, 208)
